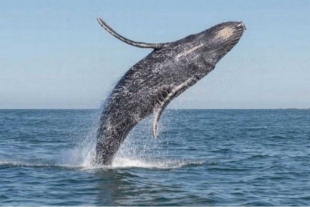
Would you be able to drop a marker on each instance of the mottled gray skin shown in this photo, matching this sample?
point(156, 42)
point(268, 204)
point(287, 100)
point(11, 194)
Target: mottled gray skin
point(145, 86)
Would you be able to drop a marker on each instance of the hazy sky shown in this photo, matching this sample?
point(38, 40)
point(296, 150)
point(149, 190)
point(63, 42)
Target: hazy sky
point(54, 54)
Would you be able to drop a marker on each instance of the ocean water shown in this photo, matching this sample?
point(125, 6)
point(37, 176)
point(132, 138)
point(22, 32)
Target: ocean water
point(201, 157)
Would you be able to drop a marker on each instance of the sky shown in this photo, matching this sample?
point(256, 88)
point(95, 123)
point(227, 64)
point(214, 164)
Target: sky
point(54, 54)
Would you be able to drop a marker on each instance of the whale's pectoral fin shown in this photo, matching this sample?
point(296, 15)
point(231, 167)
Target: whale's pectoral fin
point(173, 92)
point(128, 41)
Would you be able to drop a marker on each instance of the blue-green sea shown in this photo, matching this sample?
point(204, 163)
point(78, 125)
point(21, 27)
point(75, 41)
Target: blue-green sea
point(201, 157)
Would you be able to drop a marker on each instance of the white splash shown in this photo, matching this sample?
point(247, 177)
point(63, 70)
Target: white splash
point(138, 151)
point(159, 164)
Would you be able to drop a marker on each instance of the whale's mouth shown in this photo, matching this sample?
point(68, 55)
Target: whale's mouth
point(241, 24)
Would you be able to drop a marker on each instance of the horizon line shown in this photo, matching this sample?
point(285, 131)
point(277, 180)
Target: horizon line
point(289, 108)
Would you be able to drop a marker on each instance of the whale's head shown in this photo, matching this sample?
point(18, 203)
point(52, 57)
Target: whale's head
point(219, 40)
point(212, 44)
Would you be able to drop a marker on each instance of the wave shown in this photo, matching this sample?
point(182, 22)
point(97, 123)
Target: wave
point(119, 163)
point(12, 163)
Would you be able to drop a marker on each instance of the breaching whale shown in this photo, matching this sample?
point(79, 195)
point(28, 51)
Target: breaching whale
point(151, 84)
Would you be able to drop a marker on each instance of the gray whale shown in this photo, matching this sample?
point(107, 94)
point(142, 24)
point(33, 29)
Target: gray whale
point(151, 84)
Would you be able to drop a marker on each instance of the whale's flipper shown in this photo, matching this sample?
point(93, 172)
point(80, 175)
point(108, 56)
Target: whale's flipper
point(128, 41)
point(163, 104)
